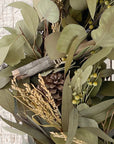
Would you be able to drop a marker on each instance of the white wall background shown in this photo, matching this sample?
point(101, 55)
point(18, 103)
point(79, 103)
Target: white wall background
point(8, 17)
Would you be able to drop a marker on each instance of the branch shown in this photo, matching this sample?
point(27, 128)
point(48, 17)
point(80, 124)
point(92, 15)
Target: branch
point(33, 68)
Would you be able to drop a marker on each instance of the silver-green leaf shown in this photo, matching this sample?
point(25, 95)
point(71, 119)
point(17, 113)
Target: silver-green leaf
point(48, 10)
point(104, 34)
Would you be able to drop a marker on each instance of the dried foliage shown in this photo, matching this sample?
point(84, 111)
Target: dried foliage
point(39, 101)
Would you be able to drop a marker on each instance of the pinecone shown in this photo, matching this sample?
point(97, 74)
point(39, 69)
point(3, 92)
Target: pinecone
point(54, 83)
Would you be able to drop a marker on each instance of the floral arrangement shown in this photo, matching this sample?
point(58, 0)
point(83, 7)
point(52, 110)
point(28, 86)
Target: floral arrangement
point(55, 81)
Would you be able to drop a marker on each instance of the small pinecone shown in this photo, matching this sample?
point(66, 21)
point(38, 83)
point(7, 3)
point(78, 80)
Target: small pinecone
point(54, 83)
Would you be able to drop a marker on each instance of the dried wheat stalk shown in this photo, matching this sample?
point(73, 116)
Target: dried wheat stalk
point(39, 101)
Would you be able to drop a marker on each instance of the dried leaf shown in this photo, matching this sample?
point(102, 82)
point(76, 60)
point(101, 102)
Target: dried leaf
point(91, 111)
point(5, 43)
point(67, 36)
point(96, 57)
point(50, 45)
point(7, 100)
point(73, 48)
point(97, 88)
point(92, 7)
point(100, 134)
point(78, 4)
point(87, 122)
point(111, 55)
point(73, 125)
point(29, 130)
point(104, 34)
point(107, 88)
point(11, 30)
point(86, 136)
point(16, 51)
point(29, 14)
point(48, 10)
point(66, 104)
point(4, 81)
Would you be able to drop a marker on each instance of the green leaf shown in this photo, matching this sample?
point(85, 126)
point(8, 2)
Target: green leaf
point(85, 74)
point(92, 7)
point(111, 55)
point(16, 51)
point(104, 34)
point(78, 4)
point(86, 136)
point(73, 48)
point(100, 134)
point(14, 131)
point(29, 130)
point(29, 14)
point(87, 122)
point(7, 100)
point(97, 88)
point(93, 59)
point(6, 72)
point(102, 116)
point(106, 73)
point(4, 81)
point(23, 29)
point(91, 111)
point(50, 45)
point(66, 104)
point(107, 88)
point(48, 10)
point(68, 20)
point(5, 43)
point(73, 125)
point(67, 36)
point(11, 30)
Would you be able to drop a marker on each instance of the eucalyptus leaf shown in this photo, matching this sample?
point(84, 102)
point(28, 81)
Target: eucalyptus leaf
point(16, 51)
point(106, 73)
point(73, 125)
point(100, 134)
point(67, 36)
point(102, 116)
point(11, 30)
point(104, 34)
point(66, 104)
point(29, 130)
point(12, 130)
point(93, 59)
point(78, 4)
point(29, 14)
point(48, 10)
point(111, 55)
point(87, 122)
point(50, 45)
point(6, 72)
point(5, 43)
point(74, 46)
point(97, 88)
point(4, 81)
point(85, 74)
point(7, 100)
point(23, 29)
point(92, 7)
point(86, 136)
point(107, 88)
point(68, 20)
point(91, 111)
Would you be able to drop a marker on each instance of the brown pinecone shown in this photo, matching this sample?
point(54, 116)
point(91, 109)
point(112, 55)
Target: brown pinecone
point(54, 83)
